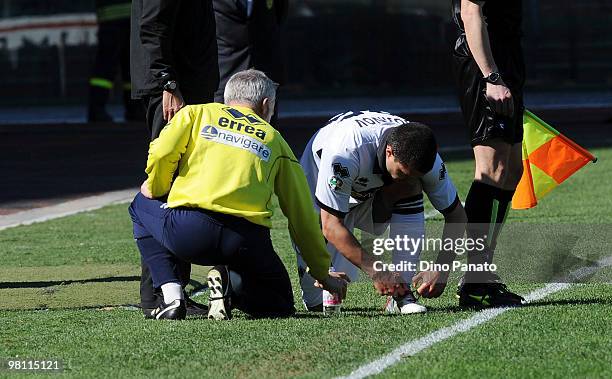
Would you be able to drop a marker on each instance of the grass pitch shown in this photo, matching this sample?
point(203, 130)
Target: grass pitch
point(66, 286)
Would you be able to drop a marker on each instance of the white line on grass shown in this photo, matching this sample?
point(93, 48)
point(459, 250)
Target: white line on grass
point(84, 204)
point(66, 209)
point(91, 203)
point(415, 346)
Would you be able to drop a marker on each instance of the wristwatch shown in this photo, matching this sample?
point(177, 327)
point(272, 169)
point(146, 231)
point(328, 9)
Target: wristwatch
point(171, 86)
point(493, 78)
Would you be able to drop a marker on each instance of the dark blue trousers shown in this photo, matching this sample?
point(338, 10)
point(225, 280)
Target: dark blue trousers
point(166, 235)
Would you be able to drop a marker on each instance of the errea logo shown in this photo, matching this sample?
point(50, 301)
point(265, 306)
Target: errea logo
point(209, 132)
point(242, 123)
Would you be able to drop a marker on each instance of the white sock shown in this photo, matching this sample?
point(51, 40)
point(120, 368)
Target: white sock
point(413, 227)
point(172, 291)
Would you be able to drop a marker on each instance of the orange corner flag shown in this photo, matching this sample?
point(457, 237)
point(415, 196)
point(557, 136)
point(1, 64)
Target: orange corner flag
point(548, 159)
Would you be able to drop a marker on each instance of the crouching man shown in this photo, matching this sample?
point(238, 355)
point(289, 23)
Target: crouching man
point(369, 170)
point(208, 200)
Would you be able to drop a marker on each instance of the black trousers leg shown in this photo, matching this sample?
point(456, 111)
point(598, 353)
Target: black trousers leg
point(148, 296)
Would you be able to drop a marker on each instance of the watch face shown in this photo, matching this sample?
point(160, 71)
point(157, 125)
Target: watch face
point(170, 86)
point(494, 77)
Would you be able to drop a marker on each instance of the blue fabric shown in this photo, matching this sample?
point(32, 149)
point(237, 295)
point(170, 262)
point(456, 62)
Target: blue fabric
point(166, 236)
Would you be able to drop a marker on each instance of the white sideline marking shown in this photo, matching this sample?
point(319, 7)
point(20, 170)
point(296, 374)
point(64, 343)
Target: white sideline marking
point(91, 203)
point(415, 346)
point(85, 204)
point(67, 208)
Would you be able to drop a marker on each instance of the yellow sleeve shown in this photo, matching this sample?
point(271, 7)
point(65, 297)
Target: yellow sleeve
point(165, 152)
point(291, 188)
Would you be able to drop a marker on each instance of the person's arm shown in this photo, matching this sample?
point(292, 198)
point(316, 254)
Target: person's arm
point(291, 187)
point(441, 191)
point(336, 233)
point(477, 36)
point(385, 282)
point(337, 170)
point(165, 153)
point(431, 284)
point(156, 23)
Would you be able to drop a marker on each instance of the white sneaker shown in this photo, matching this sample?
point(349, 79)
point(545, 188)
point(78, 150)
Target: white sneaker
point(406, 305)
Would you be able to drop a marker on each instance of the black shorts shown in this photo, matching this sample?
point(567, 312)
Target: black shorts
point(482, 122)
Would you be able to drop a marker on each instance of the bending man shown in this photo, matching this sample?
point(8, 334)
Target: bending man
point(229, 162)
point(368, 170)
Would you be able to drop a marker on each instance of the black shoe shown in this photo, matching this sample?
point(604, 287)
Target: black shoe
point(195, 309)
point(315, 308)
point(489, 292)
point(148, 313)
point(219, 300)
point(173, 311)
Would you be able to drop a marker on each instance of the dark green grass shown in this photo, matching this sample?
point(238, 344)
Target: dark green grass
point(69, 268)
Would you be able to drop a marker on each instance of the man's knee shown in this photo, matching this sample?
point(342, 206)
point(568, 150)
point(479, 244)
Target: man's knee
point(139, 230)
point(498, 164)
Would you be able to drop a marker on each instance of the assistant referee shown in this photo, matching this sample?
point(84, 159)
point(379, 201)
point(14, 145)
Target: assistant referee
point(490, 72)
point(228, 162)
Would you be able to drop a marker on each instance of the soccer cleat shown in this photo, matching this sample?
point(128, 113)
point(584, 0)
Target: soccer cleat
point(219, 300)
point(173, 311)
point(148, 313)
point(195, 309)
point(404, 305)
point(315, 308)
point(491, 292)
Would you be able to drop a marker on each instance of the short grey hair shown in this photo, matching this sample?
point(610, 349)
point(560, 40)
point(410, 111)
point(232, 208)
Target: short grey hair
point(249, 86)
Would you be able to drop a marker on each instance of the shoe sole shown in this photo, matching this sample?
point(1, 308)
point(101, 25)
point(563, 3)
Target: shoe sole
point(217, 309)
point(414, 311)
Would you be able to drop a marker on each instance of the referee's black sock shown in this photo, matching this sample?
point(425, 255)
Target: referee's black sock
point(479, 208)
point(504, 201)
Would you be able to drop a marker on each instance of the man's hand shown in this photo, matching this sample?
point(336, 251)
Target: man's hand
point(389, 283)
point(500, 99)
point(144, 189)
point(336, 282)
point(430, 284)
point(172, 102)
